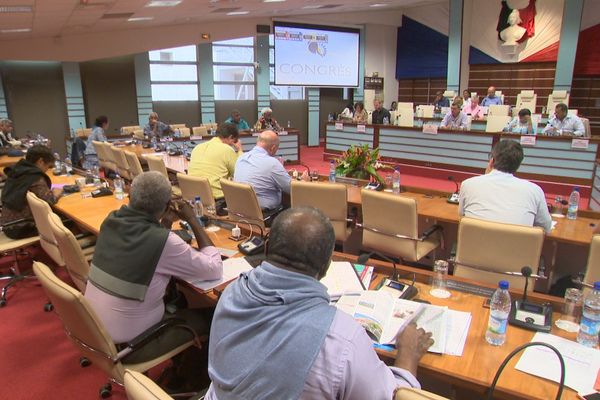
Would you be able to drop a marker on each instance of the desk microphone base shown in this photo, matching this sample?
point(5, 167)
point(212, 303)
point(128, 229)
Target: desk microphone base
point(531, 316)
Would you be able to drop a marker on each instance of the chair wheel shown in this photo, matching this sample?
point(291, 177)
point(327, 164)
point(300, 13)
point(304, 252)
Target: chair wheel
point(2, 303)
point(48, 307)
point(84, 362)
point(106, 391)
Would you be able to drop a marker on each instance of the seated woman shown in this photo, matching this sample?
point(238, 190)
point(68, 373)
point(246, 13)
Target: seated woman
point(521, 124)
point(98, 135)
point(348, 113)
point(360, 114)
point(394, 106)
point(473, 109)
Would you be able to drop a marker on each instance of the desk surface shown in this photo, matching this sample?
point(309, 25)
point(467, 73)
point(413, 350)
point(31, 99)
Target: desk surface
point(5, 161)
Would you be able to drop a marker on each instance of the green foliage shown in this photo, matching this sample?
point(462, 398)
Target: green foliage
point(360, 162)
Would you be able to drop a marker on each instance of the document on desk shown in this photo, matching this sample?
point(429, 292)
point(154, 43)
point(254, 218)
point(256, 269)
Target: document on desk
point(232, 268)
point(341, 278)
point(581, 363)
point(449, 329)
point(227, 252)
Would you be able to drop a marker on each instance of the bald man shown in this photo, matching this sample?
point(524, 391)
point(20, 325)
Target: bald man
point(260, 169)
point(491, 99)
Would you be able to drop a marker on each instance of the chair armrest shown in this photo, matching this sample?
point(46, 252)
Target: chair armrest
point(430, 231)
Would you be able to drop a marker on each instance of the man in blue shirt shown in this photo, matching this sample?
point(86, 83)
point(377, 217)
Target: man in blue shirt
point(238, 121)
point(264, 172)
point(491, 99)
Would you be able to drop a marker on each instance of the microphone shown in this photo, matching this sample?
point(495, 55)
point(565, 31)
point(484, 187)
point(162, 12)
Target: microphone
point(528, 315)
point(526, 272)
point(453, 198)
point(363, 258)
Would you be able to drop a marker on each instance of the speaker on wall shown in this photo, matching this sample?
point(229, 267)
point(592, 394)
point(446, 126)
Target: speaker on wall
point(263, 28)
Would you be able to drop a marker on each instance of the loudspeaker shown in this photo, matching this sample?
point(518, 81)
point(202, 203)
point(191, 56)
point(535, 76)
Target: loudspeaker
point(263, 28)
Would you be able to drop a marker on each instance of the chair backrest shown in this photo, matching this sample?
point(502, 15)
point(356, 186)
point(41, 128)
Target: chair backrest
point(177, 126)
point(83, 132)
point(80, 322)
point(75, 262)
point(377, 210)
point(404, 117)
point(102, 157)
point(407, 393)
point(110, 157)
point(139, 387)
point(405, 104)
point(128, 130)
point(495, 123)
point(556, 97)
point(526, 99)
point(135, 167)
point(592, 272)
point(192, 186)
point(184, 132)
point(242, 203)
point(427, 110)
point(121, 162)
point(40, 211)
point(573, 111)
point(156, 163)
point(199, 131)
point(138, 134)
point(450, 94)
point(586, 125)
point(330, 198)
point(497, 109)
point(484, 247)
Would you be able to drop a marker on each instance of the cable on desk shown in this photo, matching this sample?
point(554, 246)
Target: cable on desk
point(561, 385)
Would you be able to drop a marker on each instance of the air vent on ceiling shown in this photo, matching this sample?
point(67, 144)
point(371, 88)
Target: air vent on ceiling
point(117, 16)
point(225, 10)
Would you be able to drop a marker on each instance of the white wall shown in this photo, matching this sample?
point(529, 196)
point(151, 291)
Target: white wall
point(380, 56)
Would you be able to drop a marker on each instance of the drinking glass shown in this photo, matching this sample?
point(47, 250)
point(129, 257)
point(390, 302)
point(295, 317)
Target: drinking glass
point(438, 284)
point(569, 320)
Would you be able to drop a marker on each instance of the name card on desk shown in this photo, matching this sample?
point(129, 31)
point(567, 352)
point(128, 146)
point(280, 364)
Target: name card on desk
point(361, 128)
point(580, 143)
point(528, 140)
point(339, 126)
point(431, 129)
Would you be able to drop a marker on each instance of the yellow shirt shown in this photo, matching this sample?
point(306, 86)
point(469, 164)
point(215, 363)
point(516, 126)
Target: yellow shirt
point(213, 160)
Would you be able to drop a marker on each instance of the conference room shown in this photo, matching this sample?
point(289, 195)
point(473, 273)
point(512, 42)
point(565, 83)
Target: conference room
point(448, 146)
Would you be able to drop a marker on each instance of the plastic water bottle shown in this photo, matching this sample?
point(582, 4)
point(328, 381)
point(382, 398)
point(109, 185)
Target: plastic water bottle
point(289, 124)
point(332, 171)
point(154, 142)
point(198, 209)
point(590, 320)
point(68, 166)
point(386, 121)
point(396, 180)
point(499, 310)
point(573, 204)
point(118, 182)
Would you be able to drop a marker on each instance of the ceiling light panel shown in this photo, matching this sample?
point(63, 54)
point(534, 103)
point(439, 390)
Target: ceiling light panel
point(163, 3)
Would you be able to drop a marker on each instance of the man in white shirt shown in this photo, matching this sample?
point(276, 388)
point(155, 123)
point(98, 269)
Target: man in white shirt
point(500, 196)
point(455, 119)
point(563, 124)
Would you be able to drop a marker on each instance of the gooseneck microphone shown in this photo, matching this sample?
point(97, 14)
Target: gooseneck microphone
point(526, 272)
point(451, 179)
point(363, 258)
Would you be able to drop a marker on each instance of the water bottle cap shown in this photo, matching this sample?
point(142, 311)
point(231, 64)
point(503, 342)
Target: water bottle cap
point(576, 189)
point(597, 285)
point(503, 285)
point(197, 198)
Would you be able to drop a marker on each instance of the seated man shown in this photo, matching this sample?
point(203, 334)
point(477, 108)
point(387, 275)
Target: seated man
point(239, 122)
point(260, 169)
point(28, 175)
point(6, 134)
point(156, 128)
point(491, 99)
point(274, 334)
point(521, 124)
point(441, 101)
point(499, 196)
point(379, 114)
point(266, 121)
point(563, 124)
point(455, 119)
point(135, 257)
point(216, 158)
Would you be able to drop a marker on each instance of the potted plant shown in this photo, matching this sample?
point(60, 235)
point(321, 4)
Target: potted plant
point(361, 163)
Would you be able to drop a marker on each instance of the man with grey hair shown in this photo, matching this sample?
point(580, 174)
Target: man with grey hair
point(6, 134)
point(274, 334)
point(155, 127)
point(266, 121)
point(136, 255)
point(260, 169)
point(380, 114)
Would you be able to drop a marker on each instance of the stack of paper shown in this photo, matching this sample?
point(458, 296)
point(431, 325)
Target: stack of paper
point(449, 329)
point(341, 278)
point(232, 268)
point(581, 363)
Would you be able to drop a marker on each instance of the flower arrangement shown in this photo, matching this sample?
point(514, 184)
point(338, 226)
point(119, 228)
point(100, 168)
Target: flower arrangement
point(360, 162)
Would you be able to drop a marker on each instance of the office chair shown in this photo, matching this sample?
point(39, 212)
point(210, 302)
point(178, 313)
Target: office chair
point(128, 130)
point(498, 109)
point(487, 250)
point(525, 99)
point(192, 186)
point(13, 247)
point(556, 97)
point(496, 123)
point(405, 393)
point(135, 167)
point(330, 198)
point(177, 126)
point(199, 130)
point(242, 204)
point(156, 163)
point(390, 225)
point(139, 387)
point(104, 158)
point(184, 132)
point(592, 271)
point(88, 334)
point(121, 163)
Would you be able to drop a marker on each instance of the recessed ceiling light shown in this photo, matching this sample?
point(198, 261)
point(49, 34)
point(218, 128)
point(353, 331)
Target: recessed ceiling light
point(378, 5)
point(16, 30)
point(312, 7)
point(137, 19)
point(16, 9)
point(238, 13)
point(163, 3)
